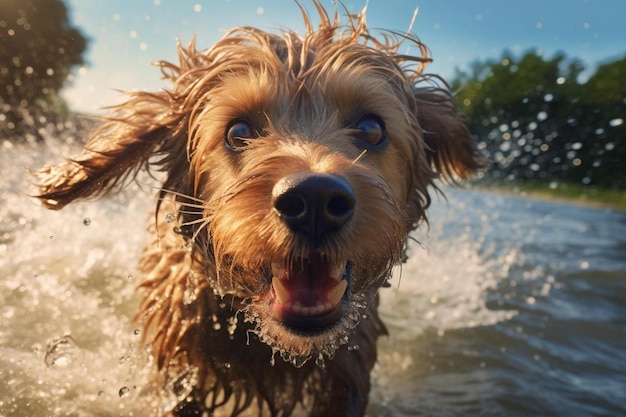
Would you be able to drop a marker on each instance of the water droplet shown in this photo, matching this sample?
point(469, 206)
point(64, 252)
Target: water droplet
point(137, 332)
point(169, 218)
point(232, 325)
point(319, 361)
point(178, 387)
point(60, 352)
point(189, 295)
point(124, 392)
point(296, 360)
point(86, 221)
point(100, 393)
point(616, 122)
point(227, 365)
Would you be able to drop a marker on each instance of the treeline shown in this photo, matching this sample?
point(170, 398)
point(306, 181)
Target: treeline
point(38, 49)
point(537, 122)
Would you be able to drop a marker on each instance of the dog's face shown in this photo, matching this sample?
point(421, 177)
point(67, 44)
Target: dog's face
point(305, 182)
point(299, 165)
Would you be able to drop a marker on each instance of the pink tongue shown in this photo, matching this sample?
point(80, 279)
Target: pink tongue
point(310, 283)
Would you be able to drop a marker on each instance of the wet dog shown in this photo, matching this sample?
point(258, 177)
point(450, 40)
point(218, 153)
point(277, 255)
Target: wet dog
point(297, 166)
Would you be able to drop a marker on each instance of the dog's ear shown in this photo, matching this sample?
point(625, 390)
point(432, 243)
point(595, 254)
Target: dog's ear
point(144, 126)
point(450, 148)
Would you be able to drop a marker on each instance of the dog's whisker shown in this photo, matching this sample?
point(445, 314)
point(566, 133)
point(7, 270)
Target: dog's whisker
point(194, 222)
point(416, 241)
point(179, 194)
point(178, 204)
point(203, 226)
point(190, 212)
point(358, 158)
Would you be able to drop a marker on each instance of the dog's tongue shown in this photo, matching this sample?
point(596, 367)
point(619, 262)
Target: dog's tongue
point(308, 288)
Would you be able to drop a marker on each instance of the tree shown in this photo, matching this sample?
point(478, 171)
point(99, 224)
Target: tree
point(38, 48)
point(537, 122)
point(603, 108)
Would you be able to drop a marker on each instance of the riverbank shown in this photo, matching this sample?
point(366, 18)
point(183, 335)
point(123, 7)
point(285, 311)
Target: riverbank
point(563, 192)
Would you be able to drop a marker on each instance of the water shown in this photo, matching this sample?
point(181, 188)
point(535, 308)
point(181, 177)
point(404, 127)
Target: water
point(509, 307)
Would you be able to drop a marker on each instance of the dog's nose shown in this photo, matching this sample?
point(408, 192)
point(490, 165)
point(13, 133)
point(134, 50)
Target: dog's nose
point(315, 204)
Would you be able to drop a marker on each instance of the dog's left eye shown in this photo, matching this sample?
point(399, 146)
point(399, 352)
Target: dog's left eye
point(237, 134)
point(370, 130)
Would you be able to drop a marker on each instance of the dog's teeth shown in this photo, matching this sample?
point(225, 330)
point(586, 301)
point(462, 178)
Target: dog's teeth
point(338, 273)
point(298, 308)
point(335, 295)
point(281, 292)
point(321, 308)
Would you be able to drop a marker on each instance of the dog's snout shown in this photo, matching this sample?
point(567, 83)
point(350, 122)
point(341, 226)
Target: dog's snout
point(315, 204)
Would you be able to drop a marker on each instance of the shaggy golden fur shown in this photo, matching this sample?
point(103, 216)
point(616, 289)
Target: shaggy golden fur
point(297, 166)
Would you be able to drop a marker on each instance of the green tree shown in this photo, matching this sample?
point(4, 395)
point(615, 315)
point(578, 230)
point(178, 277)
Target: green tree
point(537, 122)
point(603, 110)
point(38, 48)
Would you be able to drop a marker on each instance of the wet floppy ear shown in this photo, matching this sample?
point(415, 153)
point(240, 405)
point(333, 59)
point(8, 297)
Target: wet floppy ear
point(143, 126)
point(450, 148)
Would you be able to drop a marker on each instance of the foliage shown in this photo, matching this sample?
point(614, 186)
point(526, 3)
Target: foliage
point(38, 48)
point(537, 122)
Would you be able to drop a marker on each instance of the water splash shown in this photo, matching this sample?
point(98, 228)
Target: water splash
point(298, 349)
point(66, 308)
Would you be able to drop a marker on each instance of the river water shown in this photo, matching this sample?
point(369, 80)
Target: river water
point(507, 307)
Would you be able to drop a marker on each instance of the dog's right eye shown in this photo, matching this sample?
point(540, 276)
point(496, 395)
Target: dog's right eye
point(370, 130)
point(237, 134)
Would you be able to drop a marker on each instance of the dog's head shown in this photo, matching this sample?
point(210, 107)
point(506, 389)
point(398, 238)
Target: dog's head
point(299, 165)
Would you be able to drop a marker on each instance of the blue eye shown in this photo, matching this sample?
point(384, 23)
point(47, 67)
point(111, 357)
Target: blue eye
point(237, 134)
point(370, 130)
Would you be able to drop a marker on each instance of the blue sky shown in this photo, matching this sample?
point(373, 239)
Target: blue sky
point(127, 35)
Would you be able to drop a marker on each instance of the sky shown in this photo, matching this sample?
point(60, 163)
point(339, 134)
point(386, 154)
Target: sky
point(126, 36)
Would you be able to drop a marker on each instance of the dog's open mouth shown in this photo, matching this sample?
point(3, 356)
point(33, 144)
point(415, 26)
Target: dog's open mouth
point(309, 309)
point(307, 296)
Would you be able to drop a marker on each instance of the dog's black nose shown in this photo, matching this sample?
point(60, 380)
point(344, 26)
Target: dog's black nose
point(315, 204)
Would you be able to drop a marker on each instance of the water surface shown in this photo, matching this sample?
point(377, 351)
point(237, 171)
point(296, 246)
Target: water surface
point(507, 307)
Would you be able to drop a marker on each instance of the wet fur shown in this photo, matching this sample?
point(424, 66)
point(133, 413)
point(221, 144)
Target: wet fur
point(202, 308)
